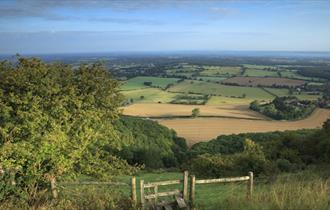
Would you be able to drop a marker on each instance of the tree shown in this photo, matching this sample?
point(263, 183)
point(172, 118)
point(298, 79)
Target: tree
point(195, 112)
point(147, 83)
point(55, 121)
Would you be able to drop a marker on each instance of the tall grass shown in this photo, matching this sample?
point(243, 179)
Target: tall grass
point(302, 191)
point(305, 190)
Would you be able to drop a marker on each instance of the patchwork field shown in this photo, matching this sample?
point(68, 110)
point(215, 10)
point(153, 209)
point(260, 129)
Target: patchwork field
point(260, 73)
point(138, 82)
point(285, 92)
point(204, 129)
point(221, 70)
point(221, 100)
point(177, 110)
point(149, 95)
point(264, 81)
point(201, 87)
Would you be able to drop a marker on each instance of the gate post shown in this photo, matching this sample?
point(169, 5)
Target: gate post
point(185, 185)
point(192, 191)
point(133, 190)
point(142, 194)
point(250, 185)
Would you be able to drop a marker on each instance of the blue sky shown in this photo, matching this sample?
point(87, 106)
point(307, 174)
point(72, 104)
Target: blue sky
point(64, 26)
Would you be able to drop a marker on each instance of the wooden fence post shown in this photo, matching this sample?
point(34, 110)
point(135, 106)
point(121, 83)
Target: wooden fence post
point(156, 193)
point(250, 185)
point(192, 191)
point(133, 190)
point(142, 194)
point(53, 188)
point(185, 185)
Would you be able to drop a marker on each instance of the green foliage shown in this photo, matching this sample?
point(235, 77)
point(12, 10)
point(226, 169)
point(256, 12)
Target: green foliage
point(284, 151)
point(251, 159)
point(285, 108)
point(149, 143)
point(195, 112)
point(55, 120)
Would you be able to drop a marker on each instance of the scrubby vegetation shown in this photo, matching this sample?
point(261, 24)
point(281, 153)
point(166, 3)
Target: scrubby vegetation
point(285, 108)
point(271, 153)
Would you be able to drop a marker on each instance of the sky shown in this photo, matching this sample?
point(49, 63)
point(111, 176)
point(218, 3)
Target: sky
point(77, 26)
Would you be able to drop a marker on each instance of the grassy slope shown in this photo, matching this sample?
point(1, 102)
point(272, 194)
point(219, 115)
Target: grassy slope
point(309, 189)
point(218, 89)
point(137, 82)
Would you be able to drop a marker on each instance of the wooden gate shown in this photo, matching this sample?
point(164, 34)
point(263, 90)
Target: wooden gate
point(152, 199)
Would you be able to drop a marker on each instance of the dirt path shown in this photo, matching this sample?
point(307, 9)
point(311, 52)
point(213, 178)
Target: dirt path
point(204, 129)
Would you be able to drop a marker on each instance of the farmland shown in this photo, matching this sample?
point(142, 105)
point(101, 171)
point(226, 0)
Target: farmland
point(260, 73)
point(222, 94)
point(264, 81)
point(177, 110)
point(149, 95)
point(201, 87)
point(138, 82)
point(204, 129)
point(220, 70)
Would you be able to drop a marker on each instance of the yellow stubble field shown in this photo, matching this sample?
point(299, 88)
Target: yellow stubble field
point(204, 129)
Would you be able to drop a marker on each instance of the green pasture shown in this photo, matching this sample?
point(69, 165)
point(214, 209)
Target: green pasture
point(280, 92)
point(208, 88)
point(150, 95)
point(294, 75)
point(221, 71)
point(260, 73)
point(253, 66)
point(137, 82)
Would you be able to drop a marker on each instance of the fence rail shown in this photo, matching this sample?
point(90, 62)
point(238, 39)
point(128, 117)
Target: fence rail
point(54, 186)
point(183, 194)
point(193, 183)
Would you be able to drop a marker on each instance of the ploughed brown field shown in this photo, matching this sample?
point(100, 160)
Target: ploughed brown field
point(264, 81)
point(205, 129)
point(178, 110)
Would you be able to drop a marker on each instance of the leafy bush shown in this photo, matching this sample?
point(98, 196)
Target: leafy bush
point(251, 159)
point(56, 120)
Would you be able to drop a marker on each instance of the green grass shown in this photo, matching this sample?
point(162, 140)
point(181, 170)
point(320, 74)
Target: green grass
point(307, 189)
point(137, 82)
point(253, 66)
point(294, 75)
point(260, 73)
point(199, 87)
point(280, 92)
point(150, 95)
point(221, 71)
